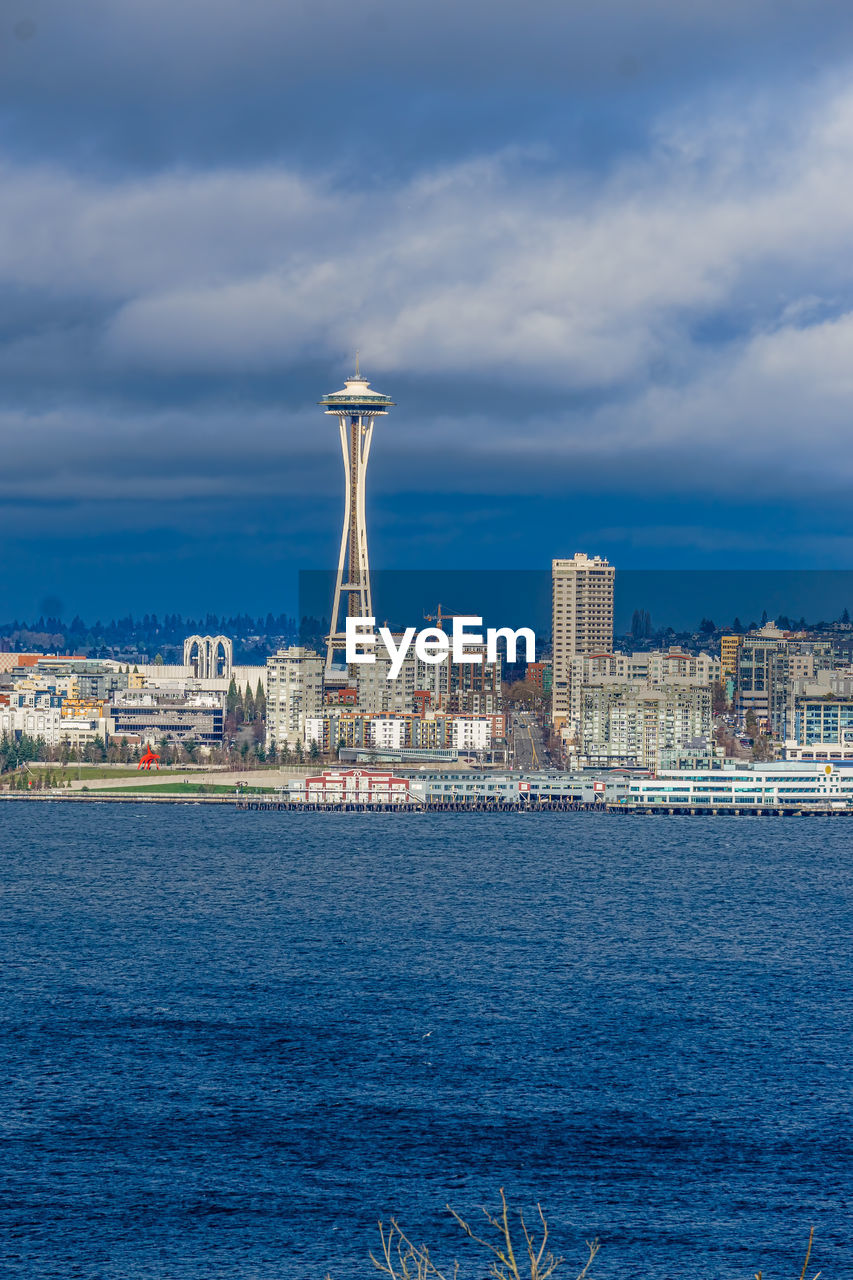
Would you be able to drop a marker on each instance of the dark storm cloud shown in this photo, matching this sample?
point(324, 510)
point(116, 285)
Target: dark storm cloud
point(200, 80)
point(163, 48)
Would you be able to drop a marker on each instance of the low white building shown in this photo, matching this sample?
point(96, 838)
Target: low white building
point(387, 733)
point(471, 733)
point(826, 751)
point(153, 674)
point(79, 731)
point(781, 783)
point(37, 714)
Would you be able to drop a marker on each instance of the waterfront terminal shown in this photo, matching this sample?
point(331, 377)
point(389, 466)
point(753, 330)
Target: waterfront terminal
point(777, 787)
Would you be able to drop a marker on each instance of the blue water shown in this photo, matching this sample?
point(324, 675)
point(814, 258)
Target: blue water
point(232, 1041)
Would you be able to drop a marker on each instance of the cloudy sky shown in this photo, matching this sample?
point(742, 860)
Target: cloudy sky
point(600, 254)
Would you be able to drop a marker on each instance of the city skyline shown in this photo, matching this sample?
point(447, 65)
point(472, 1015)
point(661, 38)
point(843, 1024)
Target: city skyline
point(607, 284)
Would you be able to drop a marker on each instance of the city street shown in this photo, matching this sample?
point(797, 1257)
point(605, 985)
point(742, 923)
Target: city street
point(530, 752)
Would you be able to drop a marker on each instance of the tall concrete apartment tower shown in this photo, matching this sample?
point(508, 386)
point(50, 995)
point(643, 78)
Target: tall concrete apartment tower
point(355, 408)
point(581, 620)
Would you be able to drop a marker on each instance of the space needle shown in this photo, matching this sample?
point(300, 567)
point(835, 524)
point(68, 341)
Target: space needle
point(355, 408)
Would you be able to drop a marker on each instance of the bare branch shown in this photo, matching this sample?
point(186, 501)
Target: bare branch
point(487, 1244)
point(808, 1255)
point(508, 1236)
point(542, 1262)
point(402, 1259)
point(593, 1246)
point(541, 1253)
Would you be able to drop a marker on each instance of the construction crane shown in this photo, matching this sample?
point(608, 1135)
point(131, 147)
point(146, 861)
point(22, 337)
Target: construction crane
point(438, 617)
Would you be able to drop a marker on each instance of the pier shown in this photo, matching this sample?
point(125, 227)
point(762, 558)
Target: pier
point(284, 804)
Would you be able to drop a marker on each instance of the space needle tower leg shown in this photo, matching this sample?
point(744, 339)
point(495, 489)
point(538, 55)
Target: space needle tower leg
point(356, 408)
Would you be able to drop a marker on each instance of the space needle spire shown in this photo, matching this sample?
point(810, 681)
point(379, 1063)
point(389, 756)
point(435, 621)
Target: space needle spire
point(355, 408)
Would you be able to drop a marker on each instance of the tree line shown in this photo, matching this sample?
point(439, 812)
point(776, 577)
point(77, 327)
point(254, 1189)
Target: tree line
point(254, 637)
point(17, 753)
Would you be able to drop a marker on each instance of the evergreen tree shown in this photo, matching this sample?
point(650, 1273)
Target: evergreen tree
point(232, 698)
point(260, 701)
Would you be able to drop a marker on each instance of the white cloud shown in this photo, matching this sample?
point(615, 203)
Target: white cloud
point(481, 264)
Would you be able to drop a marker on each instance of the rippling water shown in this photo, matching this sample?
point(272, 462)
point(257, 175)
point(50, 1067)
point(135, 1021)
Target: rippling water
point(231, 1042)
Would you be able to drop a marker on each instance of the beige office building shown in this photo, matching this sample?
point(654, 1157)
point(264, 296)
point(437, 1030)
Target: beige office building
point(294, 694)
point(581, 620)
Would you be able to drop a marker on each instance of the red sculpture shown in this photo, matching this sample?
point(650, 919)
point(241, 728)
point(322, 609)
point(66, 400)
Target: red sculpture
point(148, 759)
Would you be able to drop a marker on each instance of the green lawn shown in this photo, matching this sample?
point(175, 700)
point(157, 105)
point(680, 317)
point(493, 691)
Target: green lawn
point(184, 788)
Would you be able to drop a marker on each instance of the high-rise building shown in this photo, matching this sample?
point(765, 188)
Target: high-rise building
point(475, 687)
point(653, 669)
point(294, 694)
point(355, 407)
point(582, 620)
point(729, 646)
point(648, 726)
point(768, 663)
